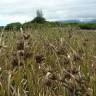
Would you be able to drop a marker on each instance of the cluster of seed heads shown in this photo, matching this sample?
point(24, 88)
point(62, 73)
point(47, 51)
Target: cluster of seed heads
point(72, 78)
point(22, 50)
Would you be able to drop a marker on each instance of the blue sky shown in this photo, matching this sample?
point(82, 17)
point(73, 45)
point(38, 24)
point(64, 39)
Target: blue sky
point(24, 10)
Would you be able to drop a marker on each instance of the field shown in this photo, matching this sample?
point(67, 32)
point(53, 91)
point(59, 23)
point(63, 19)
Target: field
point(48, 61)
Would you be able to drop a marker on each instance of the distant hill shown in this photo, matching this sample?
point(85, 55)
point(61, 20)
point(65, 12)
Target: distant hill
point(78, 21)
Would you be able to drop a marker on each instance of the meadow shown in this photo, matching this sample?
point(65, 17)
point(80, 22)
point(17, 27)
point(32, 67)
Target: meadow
point(48, 61)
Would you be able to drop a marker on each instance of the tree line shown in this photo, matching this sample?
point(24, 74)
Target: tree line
point(40, 20)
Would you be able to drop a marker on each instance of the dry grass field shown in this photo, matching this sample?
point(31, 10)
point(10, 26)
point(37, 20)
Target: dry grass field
point(48, 61)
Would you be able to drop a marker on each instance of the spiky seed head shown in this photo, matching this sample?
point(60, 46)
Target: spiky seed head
point(39, 58)
point(20, 45)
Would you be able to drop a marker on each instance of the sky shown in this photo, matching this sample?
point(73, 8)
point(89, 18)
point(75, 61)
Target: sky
point(25, 10)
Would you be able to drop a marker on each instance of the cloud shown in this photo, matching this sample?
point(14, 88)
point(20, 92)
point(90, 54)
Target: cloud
point(24, 10)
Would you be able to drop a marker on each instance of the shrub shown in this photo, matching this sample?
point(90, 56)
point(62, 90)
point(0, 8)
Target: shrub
point(13, 26)
point(39, 20)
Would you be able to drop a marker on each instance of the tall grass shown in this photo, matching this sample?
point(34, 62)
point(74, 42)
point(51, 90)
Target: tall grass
point(48, 62)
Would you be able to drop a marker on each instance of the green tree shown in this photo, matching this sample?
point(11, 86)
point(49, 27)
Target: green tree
point(13, 26)
point(39, 18)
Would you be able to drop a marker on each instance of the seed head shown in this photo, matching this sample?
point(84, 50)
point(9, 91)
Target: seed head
point(39, 58)
point(20, 45)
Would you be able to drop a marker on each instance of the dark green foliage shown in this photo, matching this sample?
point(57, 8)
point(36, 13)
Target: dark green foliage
point(27, 25)
point(13, 26)
point(84, 26)
point(1, 28)
point(88, 26)
point(39, 20)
